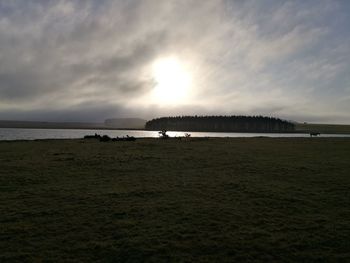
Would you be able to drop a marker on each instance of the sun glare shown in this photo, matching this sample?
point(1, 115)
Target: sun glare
point(173, 81)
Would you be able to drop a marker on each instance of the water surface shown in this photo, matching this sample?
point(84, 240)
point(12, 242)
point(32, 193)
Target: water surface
point(33, 134)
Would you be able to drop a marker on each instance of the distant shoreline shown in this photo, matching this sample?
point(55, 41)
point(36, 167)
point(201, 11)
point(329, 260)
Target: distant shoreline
point(124, 124)
point(299, 127)
point(75, 128)
point(135, 129)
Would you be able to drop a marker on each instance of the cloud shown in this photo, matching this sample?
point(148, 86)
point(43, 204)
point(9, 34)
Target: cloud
point(93, 58)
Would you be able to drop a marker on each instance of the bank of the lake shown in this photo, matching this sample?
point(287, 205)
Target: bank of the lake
point(236, 199)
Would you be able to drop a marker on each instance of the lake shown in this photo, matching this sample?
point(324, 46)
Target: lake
point(33, 134)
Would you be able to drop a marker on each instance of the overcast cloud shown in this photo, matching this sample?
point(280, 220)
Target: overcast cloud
point(91, 59)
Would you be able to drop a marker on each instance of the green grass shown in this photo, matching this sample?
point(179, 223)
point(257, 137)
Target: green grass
point(323, 128)
point(223, 200)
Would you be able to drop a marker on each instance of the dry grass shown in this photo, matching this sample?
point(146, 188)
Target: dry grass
point(257, 199)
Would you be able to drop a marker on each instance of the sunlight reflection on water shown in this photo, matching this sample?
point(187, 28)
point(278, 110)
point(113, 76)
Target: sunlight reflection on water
point(32, 134)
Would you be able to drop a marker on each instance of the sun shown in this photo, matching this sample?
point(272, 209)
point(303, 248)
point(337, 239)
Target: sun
point(173, 81)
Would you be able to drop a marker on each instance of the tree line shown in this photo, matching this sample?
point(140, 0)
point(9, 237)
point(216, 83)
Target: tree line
point(220, 124)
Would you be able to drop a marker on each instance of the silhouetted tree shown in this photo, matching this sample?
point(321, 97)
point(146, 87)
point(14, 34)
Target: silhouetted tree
point(163, 134)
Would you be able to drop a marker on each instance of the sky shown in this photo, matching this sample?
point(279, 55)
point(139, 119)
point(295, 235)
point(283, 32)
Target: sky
point(90, 60)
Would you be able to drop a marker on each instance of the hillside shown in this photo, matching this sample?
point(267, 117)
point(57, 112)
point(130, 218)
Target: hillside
point(50, 125)
point(322, 128)
point(124, 123)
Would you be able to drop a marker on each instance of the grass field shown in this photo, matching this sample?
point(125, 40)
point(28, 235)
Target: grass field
point(214, 200)
point(323, 128)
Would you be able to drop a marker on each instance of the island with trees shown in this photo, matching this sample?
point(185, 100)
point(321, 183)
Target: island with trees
point(221, 124)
